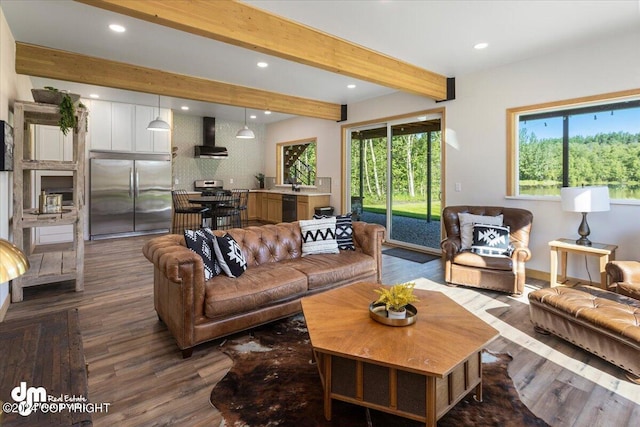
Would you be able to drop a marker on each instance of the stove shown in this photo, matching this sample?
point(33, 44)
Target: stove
point(209, 187)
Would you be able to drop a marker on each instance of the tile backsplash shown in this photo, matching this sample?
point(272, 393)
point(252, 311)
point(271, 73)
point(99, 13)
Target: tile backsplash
point(244, 161)
point(323, 185)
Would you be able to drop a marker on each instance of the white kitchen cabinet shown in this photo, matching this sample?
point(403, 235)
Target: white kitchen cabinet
point(116, 126)
point(52, 144)
point(122, 125)
point(100, 125)
point(149, 141)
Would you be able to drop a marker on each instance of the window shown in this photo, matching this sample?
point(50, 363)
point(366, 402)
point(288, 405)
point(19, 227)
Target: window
point(593, 141)
point(296, 162)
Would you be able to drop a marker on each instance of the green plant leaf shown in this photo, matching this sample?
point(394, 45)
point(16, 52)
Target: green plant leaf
point(397, 296)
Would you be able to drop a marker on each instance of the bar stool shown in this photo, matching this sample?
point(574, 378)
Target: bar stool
point(241, 214)
point(223, 211)
point(185, 214)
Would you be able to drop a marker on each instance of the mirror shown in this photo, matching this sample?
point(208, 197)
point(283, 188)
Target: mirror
point(296, 162)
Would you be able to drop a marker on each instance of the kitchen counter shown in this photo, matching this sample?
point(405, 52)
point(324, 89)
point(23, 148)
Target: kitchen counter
point(308, 192)
point(271, 205)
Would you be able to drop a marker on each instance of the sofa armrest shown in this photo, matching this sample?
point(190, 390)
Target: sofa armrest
point(178, 285)
point(369, 237)
point(451, 246)
point(624, 271)
point(521, 254)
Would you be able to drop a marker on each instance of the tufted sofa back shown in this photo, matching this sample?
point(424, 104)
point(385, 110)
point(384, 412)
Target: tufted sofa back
point(268, 243)
point(518, 220)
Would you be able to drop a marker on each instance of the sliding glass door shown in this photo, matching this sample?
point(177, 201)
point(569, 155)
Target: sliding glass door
point(396, 180)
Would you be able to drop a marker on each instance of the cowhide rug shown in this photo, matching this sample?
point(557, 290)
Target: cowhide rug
point(274, 383)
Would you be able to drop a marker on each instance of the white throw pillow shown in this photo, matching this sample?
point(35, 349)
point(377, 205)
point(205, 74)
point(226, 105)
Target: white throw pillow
point(466, 226)
point(319, 236)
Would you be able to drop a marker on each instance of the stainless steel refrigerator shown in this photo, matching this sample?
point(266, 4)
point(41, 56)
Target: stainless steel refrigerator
point(130, 194)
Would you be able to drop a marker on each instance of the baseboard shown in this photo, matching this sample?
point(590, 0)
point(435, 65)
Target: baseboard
point(544, 275)
point(5, 307)
point(537, 274)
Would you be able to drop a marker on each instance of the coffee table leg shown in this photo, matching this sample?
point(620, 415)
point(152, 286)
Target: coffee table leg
point(326, 361)
point(431, 402)
point(478, 394)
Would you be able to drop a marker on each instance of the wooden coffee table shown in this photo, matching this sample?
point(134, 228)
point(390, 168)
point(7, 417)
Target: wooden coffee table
point(418, 371)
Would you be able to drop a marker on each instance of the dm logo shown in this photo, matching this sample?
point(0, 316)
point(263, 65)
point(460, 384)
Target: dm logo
point(27, 397)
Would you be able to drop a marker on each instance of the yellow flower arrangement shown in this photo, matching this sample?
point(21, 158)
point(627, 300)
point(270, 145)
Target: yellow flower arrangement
point(397, 296)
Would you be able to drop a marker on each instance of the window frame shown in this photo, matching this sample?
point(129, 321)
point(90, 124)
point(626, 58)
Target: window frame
point(280, 146)
point(513, 115)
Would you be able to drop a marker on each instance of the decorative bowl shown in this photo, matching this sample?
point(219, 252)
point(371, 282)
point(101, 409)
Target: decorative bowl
point(378, 312)
point(46, 96)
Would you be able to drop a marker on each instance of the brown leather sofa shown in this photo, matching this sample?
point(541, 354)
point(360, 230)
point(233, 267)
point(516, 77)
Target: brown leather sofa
point(277, 277)
point(499, 273)
point(602, 322)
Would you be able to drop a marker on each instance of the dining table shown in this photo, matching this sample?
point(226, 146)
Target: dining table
point(220, 206)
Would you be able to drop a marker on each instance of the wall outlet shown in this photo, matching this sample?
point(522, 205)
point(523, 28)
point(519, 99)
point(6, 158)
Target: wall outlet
point(458, 186)
point(176, 181)
point(230, 180)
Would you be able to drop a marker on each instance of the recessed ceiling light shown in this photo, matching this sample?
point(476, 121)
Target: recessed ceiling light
point(253, 116)
point(480, 46)
point(351, 86)
point(185, 108)
point(263, 64)
point(117, 28)
point(267, 112)
point(94, 96)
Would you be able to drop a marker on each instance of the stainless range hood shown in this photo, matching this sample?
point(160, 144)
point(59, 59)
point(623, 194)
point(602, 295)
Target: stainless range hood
point(209, 150)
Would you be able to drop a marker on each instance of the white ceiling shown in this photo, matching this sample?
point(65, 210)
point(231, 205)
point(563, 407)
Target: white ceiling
point(435, 35)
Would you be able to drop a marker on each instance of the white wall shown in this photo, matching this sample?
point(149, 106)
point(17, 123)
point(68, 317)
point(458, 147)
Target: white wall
point(476, 138)
point(327, 134)
point(12, 87)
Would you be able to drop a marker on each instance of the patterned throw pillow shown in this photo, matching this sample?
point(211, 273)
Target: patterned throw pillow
point(491, 240)
point(344, 231)
point(229, 255)
point(466, 226)
point(200, 242)
point(319, 236)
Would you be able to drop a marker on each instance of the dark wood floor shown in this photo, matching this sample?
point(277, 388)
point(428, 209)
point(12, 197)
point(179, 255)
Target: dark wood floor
point(135, 365)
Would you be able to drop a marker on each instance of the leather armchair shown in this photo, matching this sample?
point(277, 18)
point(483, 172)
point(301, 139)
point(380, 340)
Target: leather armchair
point(624, 277)
point(500, 273)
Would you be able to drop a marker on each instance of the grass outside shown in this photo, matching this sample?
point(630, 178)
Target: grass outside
point(407, 209)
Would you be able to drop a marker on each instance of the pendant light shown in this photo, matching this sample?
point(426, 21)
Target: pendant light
point(245, 132)
point(159, 125)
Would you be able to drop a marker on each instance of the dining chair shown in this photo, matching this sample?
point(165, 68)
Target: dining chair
point(185, 215)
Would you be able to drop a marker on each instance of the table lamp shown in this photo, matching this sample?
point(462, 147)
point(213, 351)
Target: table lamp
point(584, 200)
point(13, 262)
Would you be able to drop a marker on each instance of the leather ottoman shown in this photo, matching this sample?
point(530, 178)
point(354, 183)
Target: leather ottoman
point(602, 322)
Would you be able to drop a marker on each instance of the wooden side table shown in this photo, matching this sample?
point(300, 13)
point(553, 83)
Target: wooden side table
point(605, 253)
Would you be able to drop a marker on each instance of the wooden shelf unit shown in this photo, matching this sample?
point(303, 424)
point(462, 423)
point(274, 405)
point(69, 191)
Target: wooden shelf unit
point(49, 263)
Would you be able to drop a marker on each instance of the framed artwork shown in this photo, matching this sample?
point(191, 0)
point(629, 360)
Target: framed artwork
point(6, 146)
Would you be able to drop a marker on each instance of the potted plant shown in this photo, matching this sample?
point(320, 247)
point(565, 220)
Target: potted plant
point(66, 105)
point(396, 298)
point(260, 178)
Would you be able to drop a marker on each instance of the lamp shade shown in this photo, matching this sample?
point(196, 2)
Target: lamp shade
point(245, 133)
point(585, 199)
point(159, 125)
point(13, 262)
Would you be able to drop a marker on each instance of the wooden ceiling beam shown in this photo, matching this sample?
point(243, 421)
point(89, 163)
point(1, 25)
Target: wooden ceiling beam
point(42, 61)
point(252, 28)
